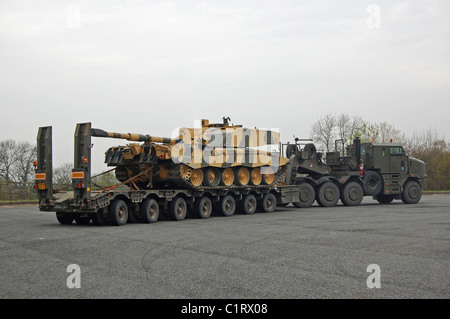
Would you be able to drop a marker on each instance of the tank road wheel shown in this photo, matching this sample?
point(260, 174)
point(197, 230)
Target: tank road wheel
point(352, 194)
point(203, 207)
point(227, 177)
point(118, 212)
point(412, 192)
point(268, 203)
point(385, 199)
point(307, 195)
point(64, 218)
point(197, 177)
point(268, 178)
point(248, 204)
point(373, 183)
point(328, 194)
point(227, 205)
point(242, 175)
point(212, 176)
point(178, 208)
point(255, 176)
point(82, 220)
point(149, 210)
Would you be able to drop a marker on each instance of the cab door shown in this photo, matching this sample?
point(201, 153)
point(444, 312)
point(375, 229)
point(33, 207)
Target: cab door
point(398, 160)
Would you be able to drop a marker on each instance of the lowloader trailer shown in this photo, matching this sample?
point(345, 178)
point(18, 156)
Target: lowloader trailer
point(116, 206)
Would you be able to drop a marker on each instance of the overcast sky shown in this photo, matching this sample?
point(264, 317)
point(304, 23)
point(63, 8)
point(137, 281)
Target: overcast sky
point(152, 66)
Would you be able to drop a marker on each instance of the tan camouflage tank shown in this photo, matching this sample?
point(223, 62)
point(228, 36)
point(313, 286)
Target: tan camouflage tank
point(208, 155)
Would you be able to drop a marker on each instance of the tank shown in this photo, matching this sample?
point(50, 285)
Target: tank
point(210, 155)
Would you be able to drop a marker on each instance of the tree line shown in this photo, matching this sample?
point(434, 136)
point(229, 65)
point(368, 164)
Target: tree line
point(426, 145)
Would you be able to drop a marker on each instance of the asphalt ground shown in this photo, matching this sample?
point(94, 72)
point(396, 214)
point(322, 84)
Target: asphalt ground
point(291, 253)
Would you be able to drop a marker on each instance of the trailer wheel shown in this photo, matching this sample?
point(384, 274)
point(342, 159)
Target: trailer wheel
point(307, 195)
point(149, 210)
point(352, 194)
point(118, 212)
point(328, 194)
point(248, 204)
point(373, 183)
point(98, 219)
point(203, 207)
point(64, 218)
point(178, 208)
point(385, 199)
point(412, 192)
point(268, 203)
point(82, 220)
point(227, 205)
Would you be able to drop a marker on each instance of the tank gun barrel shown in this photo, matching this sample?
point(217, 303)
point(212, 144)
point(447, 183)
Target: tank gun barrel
point(133, 137)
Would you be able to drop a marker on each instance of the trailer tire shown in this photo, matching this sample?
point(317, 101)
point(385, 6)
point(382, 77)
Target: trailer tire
point(307, 195)
point(82, 220)
point(227, 205)
point(268, 203)
point(203, 207)
point(178, 208)
point(373, 183)
point(328, 194)
point(149, 210)
point(249, 204)
point(412, 192)
point(385, 199)
point(98, 219)
point(64, 218)
point(352, 194)
point(118, 212)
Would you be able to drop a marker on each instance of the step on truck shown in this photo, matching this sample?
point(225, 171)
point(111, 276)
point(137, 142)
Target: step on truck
point(154, 192)
point(380, 170)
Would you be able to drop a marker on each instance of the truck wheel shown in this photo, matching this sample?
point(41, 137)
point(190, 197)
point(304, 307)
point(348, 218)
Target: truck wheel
point(227, 205)
point(412, 192)
point(203, 207)
point(64, 218)
point(118, 212)
point(82, 220)
point(268, 203)
point(178, 208)
point(328, 194)
point(149, 210)
point(249, 204)
point(385, 199)
point(373, 183)
point(352, 194)
point(307, 195)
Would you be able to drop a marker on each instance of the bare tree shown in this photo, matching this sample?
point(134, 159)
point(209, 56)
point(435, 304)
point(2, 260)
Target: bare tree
point(25, 154)
point(347, 127)
point(62, 175)
point(324, 131)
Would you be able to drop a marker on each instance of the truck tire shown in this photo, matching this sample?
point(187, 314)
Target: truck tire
point(373, 183)
point(249, 204)
point(291, 149)
point(203, 207)
point(268, 203)
point(352, 194)
point(412, 192)
point(118, 212)
point(64, 218)
point(328, 194)
point(385, 199)
point(98, 219)
point(227, 205)
point(149, 210)
point(178, 208)
point(307, 195)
